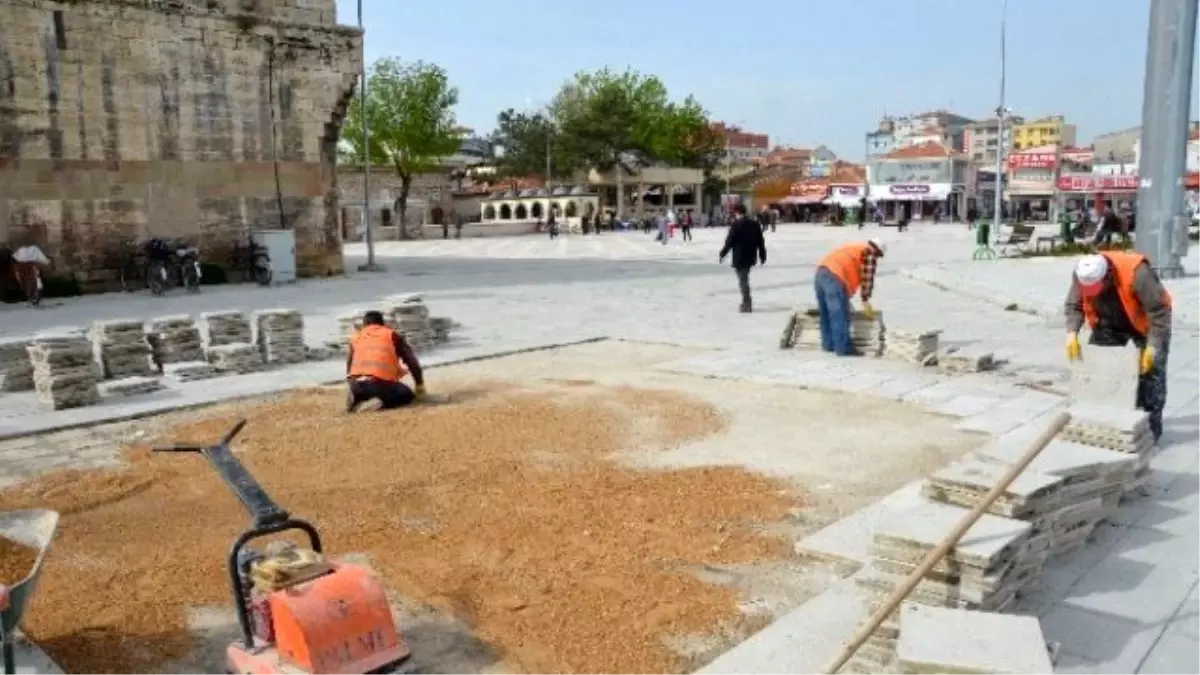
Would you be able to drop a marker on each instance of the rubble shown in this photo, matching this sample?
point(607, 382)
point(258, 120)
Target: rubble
point(129, 386)
point(280, 336)
point(441, 326)
point(16, 371)
point(175, 339)
point(920, 348)
point(956, 361)
point(122, 349)
point(227, 327)
point(64, 372)
point(236, 358)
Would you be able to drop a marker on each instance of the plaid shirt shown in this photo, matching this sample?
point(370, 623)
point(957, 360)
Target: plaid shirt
point(867, 273)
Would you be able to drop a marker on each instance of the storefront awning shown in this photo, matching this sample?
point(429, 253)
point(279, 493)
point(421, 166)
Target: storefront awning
point(910, 192)
point(795, 200)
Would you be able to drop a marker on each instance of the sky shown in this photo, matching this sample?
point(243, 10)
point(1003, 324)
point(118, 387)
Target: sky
point(804, 72)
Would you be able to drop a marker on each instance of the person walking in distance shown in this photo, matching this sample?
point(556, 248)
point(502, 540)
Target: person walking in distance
point(746, 246)
point(685, 224)
point(849, 269)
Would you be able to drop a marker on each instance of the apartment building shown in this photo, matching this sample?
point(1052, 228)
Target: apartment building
point(982, 139)
point(742, 146)
point(1052, 130)
point(935, 126)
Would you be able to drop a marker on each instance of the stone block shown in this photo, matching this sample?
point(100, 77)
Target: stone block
point(990, 542)
point(1106, 375)
point(939, 640)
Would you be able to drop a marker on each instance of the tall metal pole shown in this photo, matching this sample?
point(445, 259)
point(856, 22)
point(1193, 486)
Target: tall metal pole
point(370, 265)
point(1170, 48)
point(998, 211)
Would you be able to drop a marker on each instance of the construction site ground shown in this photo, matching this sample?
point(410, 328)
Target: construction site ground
point(1127, 603)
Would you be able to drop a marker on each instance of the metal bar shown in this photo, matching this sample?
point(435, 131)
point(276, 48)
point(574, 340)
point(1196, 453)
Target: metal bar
point(1170, 48)
point(366, 125)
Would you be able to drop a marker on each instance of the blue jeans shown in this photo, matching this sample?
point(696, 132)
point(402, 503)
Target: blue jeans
point(834, 305)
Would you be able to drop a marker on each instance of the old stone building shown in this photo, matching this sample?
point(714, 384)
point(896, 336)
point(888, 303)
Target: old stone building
point(198, 119)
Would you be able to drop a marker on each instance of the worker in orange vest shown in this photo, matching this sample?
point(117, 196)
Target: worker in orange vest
point(379, 359)
point(849, 269)
point(1123, 300)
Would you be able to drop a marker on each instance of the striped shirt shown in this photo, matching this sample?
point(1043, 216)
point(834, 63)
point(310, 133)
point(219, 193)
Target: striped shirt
point(866, 272)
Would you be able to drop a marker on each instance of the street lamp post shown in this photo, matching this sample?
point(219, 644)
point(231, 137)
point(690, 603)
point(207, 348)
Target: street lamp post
point(998, 211)
point(370, 265)
point(1161, 234)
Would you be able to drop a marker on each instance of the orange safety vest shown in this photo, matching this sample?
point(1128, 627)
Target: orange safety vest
point(375, 355)
point(1124, 266)
point(845, 262)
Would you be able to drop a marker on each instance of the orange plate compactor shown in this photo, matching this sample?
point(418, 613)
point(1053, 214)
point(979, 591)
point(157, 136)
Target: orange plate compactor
point(297, 612)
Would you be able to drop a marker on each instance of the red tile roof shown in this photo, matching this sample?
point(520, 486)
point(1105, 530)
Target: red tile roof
point(927, 149)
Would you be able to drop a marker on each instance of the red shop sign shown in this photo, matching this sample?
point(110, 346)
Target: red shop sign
point(1032, 160)
point(1094, 183)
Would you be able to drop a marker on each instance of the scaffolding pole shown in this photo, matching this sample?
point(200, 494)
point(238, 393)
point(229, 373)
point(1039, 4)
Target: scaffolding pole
point(1170, 48)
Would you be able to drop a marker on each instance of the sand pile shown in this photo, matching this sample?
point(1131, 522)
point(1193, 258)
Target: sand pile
point(562, 559)
point(16, 561)
point(16, 371)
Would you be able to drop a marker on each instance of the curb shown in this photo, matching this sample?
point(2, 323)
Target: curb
point(181, 407)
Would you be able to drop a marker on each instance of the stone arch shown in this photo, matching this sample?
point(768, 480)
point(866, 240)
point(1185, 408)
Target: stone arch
point(572, 209)
point(489, 212)
point(505, 212)
point(521, 213)
point(555, 208)
point(535, 210)
point(589, 208)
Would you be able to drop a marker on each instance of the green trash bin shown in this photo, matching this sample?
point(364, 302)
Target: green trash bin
point(1064, 230)
point(983, 233)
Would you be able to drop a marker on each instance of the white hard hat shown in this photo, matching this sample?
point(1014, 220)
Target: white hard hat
point(879, 245)
point(1091, 269)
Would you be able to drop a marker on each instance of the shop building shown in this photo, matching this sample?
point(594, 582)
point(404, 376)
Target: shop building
point(922, 180)
point(1031, 189)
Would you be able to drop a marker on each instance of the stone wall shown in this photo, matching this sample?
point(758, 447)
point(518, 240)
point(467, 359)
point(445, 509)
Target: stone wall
point(196, 119)
point(428, 191)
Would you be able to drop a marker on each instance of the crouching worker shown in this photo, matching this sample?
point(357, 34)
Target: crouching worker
point(1123, 301)
point(378, 361)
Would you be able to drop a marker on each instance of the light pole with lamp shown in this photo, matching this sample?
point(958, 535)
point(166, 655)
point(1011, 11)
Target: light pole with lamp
point(1001, 111)
point(370, 265)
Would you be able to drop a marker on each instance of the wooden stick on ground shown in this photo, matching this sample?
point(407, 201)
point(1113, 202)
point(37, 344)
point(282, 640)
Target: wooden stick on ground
point(935, 556)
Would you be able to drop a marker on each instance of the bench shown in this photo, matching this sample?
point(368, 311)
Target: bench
point(1051, 240)
point(1019, 237)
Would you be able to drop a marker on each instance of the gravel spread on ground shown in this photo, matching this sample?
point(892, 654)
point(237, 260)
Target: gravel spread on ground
point(505, 507)
point(16, 561)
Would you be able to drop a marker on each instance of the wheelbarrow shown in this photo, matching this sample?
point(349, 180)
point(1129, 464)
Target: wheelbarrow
point(33, 528)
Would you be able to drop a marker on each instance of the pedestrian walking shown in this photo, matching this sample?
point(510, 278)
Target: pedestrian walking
point(552, 224)
point(685, 224)
point(746, 246)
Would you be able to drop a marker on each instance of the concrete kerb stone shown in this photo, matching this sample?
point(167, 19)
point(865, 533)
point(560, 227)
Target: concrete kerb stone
point(143, 414)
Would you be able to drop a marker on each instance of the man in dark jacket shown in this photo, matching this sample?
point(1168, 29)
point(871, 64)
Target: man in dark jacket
point(745, 241)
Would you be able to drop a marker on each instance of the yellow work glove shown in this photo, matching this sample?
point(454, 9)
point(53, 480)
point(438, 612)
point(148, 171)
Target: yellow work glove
point(1147, 361)
point(1074, 352)
point(419, 391)
point(868, 311)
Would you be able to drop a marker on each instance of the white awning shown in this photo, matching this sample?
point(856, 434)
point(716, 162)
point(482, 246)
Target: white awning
point(910, 192)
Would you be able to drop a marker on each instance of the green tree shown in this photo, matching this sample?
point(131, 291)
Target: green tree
point(524, 139)
point(410, 111)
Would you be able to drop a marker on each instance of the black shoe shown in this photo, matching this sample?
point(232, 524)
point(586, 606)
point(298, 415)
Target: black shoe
point(744, 309)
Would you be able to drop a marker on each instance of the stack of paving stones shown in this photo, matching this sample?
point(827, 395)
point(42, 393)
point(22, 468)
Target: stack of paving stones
point(1114, 428)
point(129, 386)
point(190, 371)
point(175, 339)
point(348, 324)
point(867, 334)
point(408, 315)
point(236, 358)
point(966, 361)
point(280, 336)
point(983, 572)
point(16, 371)
point(920, 348)
point(121, 348)
point(227, 328)
point(441, 325)
point(940, 640)
point(64, 370)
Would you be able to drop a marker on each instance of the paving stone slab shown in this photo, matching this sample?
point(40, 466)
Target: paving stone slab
point(848, 540)
point(938, 640)
point(989, 541)
point(973, 477)
point(1106, 375)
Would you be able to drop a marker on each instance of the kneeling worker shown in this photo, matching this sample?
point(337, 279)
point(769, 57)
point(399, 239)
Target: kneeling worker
point(849, 269)
point(1122, 299)
point(379, 358)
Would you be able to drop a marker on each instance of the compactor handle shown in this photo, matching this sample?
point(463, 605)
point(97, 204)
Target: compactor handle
point(262, 508)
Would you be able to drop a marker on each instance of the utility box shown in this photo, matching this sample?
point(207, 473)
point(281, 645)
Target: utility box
point(281, 248)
